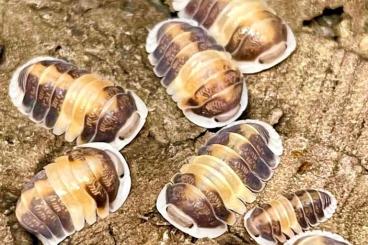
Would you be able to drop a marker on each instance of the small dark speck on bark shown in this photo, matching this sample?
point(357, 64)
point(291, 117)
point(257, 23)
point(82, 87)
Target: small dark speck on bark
point(2, 51)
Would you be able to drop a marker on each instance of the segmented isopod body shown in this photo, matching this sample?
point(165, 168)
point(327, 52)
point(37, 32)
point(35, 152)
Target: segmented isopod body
point(289, 215)
point(250, 30)
point(199, 75)
point(56, 202)
point(317, 238)
point(230, 169)
point(83, 105)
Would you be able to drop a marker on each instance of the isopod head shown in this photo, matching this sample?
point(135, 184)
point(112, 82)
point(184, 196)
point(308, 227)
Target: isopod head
point(186, 208)
point(87, 183)
point(83, 105)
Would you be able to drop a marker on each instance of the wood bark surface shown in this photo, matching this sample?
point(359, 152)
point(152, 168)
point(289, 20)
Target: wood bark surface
point(317, 100)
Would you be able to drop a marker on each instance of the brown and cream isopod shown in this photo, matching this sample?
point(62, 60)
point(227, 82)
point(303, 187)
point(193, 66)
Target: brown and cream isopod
point(317, 238)
point(283, 218)
point(249, 29)
point(91, 179)
point(199, 75)
point(83, 105)
point(203, 198)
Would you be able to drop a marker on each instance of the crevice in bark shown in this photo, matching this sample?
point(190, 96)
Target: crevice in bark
point(338, 12)
point(325, 24)
point(111, 232)
point(199, 136)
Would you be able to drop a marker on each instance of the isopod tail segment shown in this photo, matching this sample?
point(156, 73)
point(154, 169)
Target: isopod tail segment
point(248, 29)
point(287, 216)
point(59, 96)
point(317, 237)
point(76, 190)
point(199, 74)
point(205, 196)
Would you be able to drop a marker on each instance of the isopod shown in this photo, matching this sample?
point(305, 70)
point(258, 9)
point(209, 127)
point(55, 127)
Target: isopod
point(199, 75)
point(83, 105)
point(204, 197)
point(317, 238)
point(288, 215)
point(249, 29)
point(90, 179)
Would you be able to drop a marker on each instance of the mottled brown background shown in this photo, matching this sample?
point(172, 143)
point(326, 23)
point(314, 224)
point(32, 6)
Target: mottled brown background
point(317, 100)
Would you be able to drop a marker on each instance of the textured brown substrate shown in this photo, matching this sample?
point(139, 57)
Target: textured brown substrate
point(320, 92)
